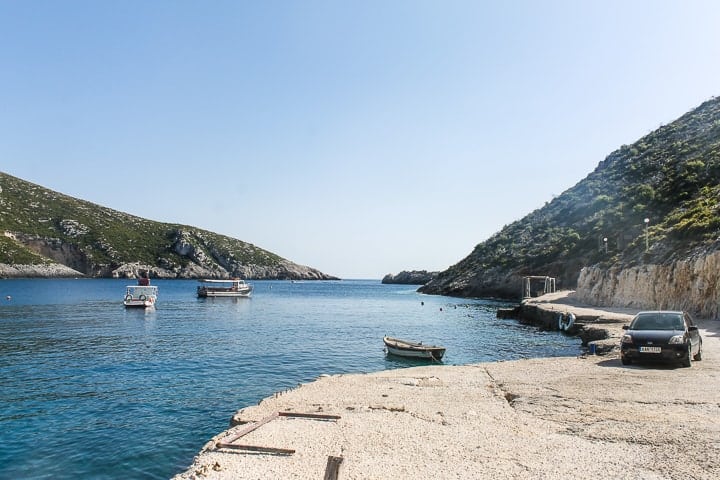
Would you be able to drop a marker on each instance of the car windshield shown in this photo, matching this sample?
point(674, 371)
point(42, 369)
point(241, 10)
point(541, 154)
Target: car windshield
point(658, 321)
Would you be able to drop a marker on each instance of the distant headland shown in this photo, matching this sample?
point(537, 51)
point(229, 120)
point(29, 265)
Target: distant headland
point(414, 277)
point(44, 233)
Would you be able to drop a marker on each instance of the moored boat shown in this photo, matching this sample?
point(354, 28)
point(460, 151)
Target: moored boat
point(404, 348)
point(140, 296)
point(233, 287)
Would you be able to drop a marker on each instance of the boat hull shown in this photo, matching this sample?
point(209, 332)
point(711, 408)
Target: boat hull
point(232, 288)
point(205, 293)
point(402, 348)
point(138, 304)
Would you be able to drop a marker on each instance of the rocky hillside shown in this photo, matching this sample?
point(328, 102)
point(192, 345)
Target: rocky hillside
point(595, 237)
point(45, 233)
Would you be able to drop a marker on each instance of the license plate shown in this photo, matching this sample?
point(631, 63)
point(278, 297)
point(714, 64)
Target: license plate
point(650, 349)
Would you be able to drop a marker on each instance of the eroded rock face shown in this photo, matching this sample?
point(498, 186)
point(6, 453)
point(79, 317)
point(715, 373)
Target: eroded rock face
point(65, 254)
point(185, 247)
point(692, 284)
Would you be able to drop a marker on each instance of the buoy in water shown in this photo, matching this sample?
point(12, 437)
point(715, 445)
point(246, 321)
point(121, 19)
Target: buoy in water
point(570, 321)
point(566, 321)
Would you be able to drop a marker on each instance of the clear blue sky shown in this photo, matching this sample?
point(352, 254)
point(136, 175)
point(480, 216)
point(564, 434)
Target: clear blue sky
point(357, 137)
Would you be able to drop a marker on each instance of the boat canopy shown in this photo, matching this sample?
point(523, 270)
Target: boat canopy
point(142, 290)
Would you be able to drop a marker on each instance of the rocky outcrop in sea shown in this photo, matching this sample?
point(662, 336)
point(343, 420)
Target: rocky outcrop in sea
point(414, 277)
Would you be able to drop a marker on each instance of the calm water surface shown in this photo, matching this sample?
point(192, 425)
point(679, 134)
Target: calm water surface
point(90, 390)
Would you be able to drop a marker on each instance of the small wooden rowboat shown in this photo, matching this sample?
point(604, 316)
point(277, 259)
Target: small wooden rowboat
point(403, 348)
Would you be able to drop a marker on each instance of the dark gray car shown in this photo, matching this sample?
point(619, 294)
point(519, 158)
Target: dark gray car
point(661, 336)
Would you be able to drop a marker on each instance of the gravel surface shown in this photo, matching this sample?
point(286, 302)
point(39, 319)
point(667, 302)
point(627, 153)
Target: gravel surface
point(548, 418)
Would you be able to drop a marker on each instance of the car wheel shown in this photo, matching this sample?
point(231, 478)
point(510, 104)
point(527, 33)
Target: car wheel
point(698, 355)
point(687, 361)
point(625, 361)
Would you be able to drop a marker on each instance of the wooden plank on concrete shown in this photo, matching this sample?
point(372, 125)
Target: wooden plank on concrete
point(227, 442)
point(332, 469)
point(315, 416)
point(248, 429)
point(257, 448)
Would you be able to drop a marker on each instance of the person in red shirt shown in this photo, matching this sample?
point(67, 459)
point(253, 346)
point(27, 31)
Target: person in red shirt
point(144, 280)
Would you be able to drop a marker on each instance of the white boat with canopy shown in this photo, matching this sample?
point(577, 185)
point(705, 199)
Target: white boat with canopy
point(232, 287)
point(140, 296)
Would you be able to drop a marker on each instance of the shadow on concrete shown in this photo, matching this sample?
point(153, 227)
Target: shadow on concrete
point(711, 327)
point(615, 363)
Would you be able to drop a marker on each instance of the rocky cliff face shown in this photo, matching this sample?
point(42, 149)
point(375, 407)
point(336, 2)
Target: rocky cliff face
point(62, 259)
point(487, 283)
point(692, 284)
point(282, 271)
point(468, 280)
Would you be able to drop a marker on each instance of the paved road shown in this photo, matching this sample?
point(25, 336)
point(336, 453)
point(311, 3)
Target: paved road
point(659, 421)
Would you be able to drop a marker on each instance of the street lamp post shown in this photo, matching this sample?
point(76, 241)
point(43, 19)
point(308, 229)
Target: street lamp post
point(605, 242)
point(647, 241)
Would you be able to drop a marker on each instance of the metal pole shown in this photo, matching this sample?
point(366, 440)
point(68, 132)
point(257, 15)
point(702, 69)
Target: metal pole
point(647, 241)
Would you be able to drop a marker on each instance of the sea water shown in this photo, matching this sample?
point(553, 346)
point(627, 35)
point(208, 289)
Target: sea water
point(91, 390)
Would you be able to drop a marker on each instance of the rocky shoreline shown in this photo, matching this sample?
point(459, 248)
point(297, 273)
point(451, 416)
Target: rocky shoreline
point(54, 270)
point(600, 328)
point(283, 271)
point(527, 419)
